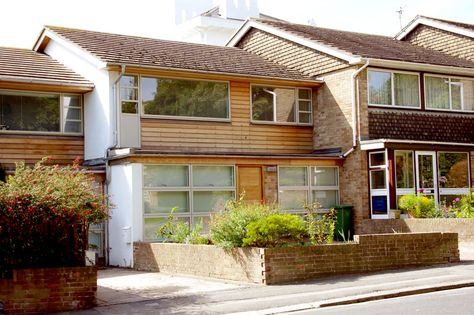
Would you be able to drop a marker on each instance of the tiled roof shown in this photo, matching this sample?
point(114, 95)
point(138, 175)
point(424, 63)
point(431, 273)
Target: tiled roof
point(454, 23)
point(24, 65)
point(423, 126)
point(369, 46)
point(165, 54)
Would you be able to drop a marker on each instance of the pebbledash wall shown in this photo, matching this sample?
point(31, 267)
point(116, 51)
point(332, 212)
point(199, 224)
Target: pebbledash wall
point(368, 253)
point(464, 227)
point(48, 290)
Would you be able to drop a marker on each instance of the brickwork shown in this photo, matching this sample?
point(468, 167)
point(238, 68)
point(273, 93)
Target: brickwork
point(441, 40)
point(48, 290)
point(368, 253)
point(270, 184)
point(289, 54)
point(464, 227)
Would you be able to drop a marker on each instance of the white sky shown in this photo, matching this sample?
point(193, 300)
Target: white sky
point(21, 20)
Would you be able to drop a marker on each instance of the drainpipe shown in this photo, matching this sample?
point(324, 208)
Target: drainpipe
point(115, 106)
point(354, 109)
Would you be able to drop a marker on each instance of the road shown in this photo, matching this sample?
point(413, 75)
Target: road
point(459, 302)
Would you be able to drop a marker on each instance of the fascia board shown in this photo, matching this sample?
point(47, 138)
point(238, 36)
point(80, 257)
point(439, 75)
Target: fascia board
point(406, 65)
point(435, 24)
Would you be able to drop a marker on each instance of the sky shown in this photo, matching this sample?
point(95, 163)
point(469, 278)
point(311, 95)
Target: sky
point(21, 21)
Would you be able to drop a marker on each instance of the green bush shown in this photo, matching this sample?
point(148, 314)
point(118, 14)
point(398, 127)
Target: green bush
point(228, 227)
point(180, 232)
point(418, 206)
point(275, 230)
point(464, 207)
point(321, 227)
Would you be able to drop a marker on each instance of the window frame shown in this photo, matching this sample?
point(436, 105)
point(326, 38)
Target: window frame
point(453, 191)
point(450, 109)
point(171, 117)
point(62, 116)
point(373, 192)
point(404, 191)
point(297, 99)
point(392, 87)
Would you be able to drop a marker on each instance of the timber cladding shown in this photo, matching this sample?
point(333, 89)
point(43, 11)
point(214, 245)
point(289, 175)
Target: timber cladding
point(239, 135)
point(29, 148)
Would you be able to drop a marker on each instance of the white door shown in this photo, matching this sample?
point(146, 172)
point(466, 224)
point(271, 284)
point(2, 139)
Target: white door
point(426, 174)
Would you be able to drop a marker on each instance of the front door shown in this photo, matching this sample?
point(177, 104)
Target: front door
point(426, 175)
point(250, 183)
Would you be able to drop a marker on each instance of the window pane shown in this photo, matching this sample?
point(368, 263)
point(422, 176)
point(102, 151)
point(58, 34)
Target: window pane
point(468, 94)
point(262, 103)
point(129, 94)
point(128, 81)
point(379, 205)
point(404, 169)
point(165, 175)
point(377, 179)
point(324, 176)
point(210, 201)
point(305, 106)
point(292, 199)
point(406, 90)
point(456, 95)
point(292, 176)
point(437, 92)
point(30, 113)
point(425, 171)
point(72, 101)
point(304, 94)
point(327, 198)
point(72, 126)
point(380, 88)
point(377, 159)
point(285, 105)
point(189, 98)
point(72, 113)
point(164, 201)
point(213, 176)
point(152, 225)
point(305, 118)
point(129, 107)
point(453, 170)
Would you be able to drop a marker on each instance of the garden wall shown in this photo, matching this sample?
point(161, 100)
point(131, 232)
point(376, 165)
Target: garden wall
point(368, 253)
point(47, 290)
point(464, 227)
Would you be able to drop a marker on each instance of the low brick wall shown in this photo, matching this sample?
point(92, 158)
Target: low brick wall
point(368, 253)
point(48, 290)
point(464, 227)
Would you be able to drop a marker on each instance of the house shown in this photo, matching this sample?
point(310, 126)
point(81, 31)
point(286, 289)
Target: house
point(400, 114)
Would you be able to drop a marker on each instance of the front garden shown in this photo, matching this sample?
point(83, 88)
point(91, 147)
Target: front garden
point(421, 206)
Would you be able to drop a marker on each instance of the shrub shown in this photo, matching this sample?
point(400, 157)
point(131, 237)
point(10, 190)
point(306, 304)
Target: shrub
point(45, 212)
point(321, 227)
point(464, 207)
point(275, 230)
point(228, 227)
point(179, 232)
point(418, 206)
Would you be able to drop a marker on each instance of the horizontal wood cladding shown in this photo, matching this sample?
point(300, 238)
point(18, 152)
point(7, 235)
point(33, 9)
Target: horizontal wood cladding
point(28, 148)
point(238, 136)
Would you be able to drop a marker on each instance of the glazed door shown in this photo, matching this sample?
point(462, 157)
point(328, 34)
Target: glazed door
point(426, 175)
point(249, 182)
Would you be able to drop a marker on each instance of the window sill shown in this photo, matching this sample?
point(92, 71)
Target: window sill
point(395, 106)
point(177, 118)
point(255, 122)
point(39, 134)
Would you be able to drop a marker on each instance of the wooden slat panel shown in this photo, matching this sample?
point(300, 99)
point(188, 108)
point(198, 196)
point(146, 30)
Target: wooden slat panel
point(250, 183)
point(239, 135)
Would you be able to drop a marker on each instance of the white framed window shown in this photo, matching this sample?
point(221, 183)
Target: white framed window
point(404, 173)
point(453, 175)
point(298, 185)
point(285, 105)
point(393, 88)
point(378, 181)
point(195, 190)
point(129, 94)
point(449, 93)
point(39, 112)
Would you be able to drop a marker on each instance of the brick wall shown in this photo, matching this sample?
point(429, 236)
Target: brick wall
point(444, 41)
point(368, 253)
point(270, 184)
point(48, 290)
point(464, 227)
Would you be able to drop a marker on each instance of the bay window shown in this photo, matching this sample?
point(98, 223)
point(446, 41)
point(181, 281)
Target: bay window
point(281, 105)
point(387, 88)
point(445, 93)
point(40, 112)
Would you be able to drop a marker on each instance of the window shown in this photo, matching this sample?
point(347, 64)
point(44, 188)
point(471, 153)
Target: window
point(379, 200)
point(453, 175)
point(444, 93)
point(404, 173)
point(129, 94)
point(185, 98)
point(195, 191)
point(40, 112)
point(283, 105)
point(393, 88)
point(296, 188)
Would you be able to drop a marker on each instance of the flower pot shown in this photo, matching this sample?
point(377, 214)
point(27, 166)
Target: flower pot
point(394, 214)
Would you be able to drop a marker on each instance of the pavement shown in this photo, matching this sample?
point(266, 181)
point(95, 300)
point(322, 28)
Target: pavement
point(125, 291)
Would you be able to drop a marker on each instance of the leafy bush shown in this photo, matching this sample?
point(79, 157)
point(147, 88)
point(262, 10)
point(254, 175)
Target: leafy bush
point(228, 227)
point(464, 207)
point(45, 212)
point(275, 230)
point(180, 232)
point(321, 227)
point(418, 206)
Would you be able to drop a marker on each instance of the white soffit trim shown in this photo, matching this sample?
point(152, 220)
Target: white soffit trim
point(70, 46)
point(381, 143)
point(415, 66)
point(437, 24)
point(352, 59)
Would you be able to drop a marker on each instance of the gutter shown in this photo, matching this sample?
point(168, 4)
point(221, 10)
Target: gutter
point(403, 141)
point(83, 86)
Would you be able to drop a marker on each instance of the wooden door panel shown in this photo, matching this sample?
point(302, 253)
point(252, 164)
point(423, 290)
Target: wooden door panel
point(249, 181)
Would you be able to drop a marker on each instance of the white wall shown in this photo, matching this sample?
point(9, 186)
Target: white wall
point(98, 134)
point(125, 192)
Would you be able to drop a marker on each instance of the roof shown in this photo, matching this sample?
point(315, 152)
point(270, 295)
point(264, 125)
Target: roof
point(363, 45)
point(24, 65)
point(115, 49)
point(461, 28)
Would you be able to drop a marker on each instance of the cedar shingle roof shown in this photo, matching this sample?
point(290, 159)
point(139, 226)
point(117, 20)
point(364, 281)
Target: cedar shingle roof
point(424, 126)
point(369, 46)
point(23, 65)
point(165, 54)
point(454, 23)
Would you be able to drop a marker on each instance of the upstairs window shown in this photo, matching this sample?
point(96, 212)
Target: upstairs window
point(388, 88)
point(40, 112)
point(444, 93)
point(167, 97)
point(281, 105)
point(129, 94)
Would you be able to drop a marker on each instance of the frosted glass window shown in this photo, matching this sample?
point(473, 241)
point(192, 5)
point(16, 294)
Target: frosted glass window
point(406, 88)
point(152, 225)
point(292, 176)
point(165, 176)
point(210, 201)
point(213, 176)
point(327, 198)
point(292, 199)
point(164, 201)
point(325, 176)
